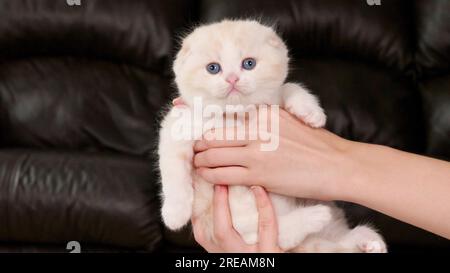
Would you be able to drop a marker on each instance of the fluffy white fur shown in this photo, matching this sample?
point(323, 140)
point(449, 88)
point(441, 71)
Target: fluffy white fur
point(304, 225)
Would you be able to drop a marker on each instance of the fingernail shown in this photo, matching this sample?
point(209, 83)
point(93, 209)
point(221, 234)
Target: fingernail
point(256, 189)
point(220, 188)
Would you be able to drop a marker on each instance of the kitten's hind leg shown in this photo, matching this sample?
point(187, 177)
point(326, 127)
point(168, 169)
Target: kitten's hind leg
point(363, 239)
point(304, 105)
point(301, 222)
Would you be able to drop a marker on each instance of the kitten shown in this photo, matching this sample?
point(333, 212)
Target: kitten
point(245, 62)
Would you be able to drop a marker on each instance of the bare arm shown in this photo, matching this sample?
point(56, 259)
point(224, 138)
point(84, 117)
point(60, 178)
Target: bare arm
point(409, 187)
point(314, 163)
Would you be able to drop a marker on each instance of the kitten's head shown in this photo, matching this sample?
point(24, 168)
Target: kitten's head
point(231, 62)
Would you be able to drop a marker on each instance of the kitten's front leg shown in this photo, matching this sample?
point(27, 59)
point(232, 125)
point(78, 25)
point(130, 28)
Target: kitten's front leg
point(175, 163)
point(299, 102)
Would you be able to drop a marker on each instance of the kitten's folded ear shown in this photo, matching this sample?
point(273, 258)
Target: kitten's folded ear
point(184, 51)
point(275, 41)
point(182, 56)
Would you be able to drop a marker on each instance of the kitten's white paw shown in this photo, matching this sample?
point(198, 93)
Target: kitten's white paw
point(176, 214)
point(372, 246)
point(315, 119)
point(319, 217)
point(312, 220)
point(313, 115)
point(286, 241)
point(368, 240)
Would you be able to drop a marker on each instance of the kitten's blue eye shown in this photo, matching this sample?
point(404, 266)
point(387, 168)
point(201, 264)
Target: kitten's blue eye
point(249, 63)
point(213, 68)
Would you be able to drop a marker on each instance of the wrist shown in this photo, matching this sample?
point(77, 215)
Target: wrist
point(366, 166)
point(354, 177)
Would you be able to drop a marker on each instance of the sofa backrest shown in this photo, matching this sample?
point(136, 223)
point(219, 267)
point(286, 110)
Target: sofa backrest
point(95, 76)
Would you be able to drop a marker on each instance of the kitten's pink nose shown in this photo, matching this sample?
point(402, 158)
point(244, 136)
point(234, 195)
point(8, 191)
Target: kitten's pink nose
point(232, 78)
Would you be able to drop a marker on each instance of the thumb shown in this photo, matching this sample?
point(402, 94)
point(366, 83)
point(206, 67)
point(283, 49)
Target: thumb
point(267, 222)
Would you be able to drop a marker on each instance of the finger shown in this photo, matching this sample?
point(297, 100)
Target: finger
point(221, 213)
point(222, 137)
point(267, 223)
point(199, 234)
point(177, 101)
point(225, 175)
point(220, 157)
point(226, 236)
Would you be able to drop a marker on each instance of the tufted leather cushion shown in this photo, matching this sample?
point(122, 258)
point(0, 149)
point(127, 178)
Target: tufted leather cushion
point(80, 104)
point(386, 111)
point(137, 32)
point(349, 29)
point(433, 68)
point(80, 92)
point(57, 196)
point(436, 94)
point(433, 37)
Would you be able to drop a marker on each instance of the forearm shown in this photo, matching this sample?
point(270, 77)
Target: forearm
point(317, 164)
point(412, 188)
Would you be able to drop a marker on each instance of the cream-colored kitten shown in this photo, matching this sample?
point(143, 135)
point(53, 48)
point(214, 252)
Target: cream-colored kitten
point(244, 62)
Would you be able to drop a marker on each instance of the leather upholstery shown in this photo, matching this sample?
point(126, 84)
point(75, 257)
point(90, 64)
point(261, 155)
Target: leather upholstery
point(346, 28)
point(56, 196)
point(81, 89)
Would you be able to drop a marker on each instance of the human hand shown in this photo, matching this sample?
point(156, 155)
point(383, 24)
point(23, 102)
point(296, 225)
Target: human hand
point(177, 102)
point(227, 238)
point(308, 163)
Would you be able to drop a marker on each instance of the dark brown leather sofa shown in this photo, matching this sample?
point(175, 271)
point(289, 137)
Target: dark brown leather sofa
point(81, 88)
